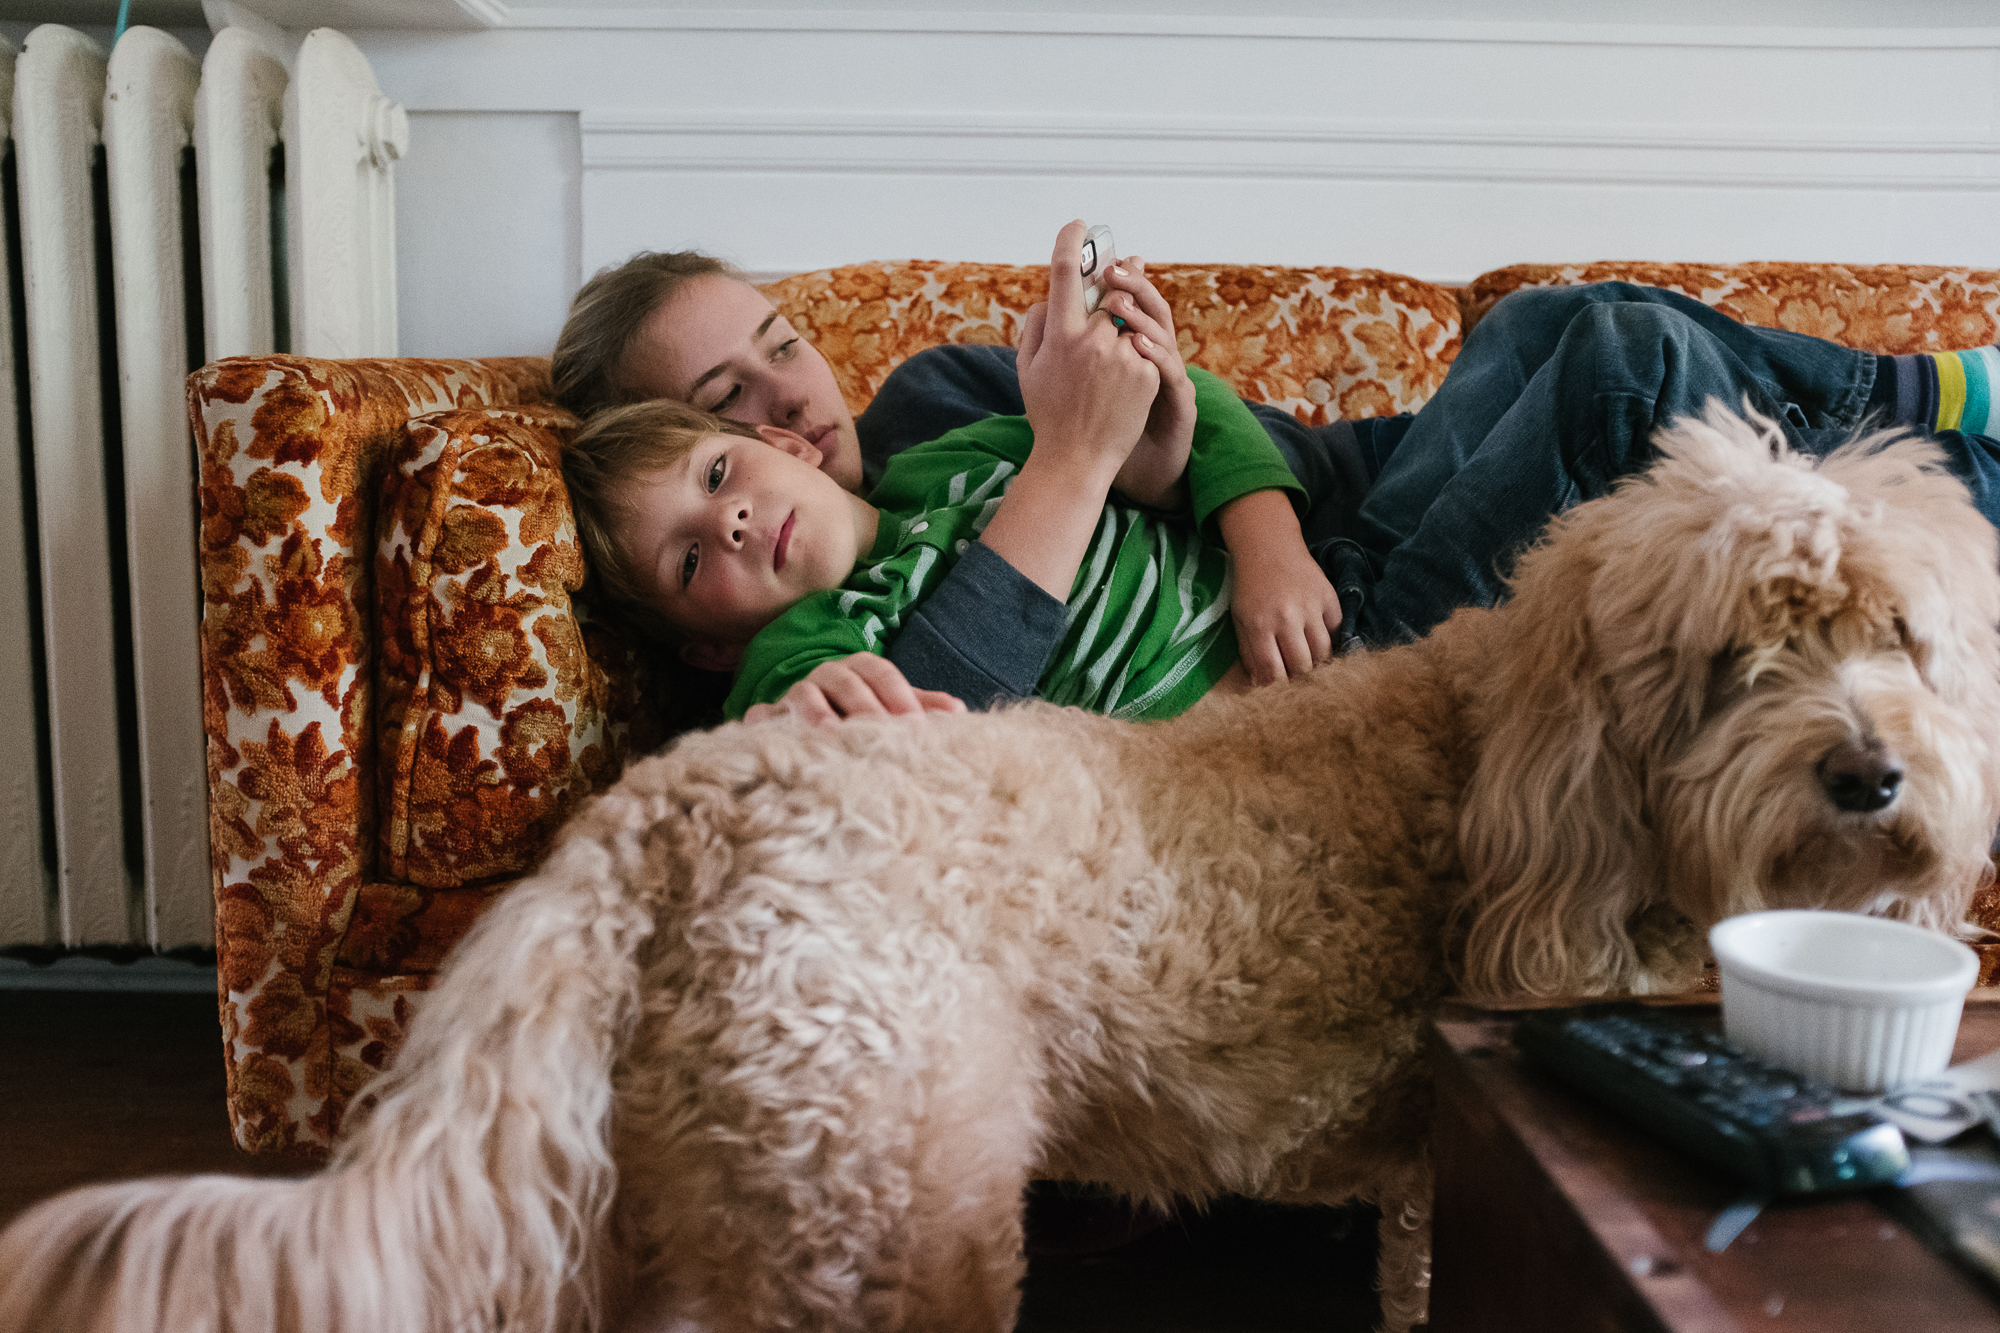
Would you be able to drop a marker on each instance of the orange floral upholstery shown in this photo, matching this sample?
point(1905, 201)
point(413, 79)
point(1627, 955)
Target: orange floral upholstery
point(1323, 343)
point(402, 701)
point(1890, 309)
point(291, 452)
point(494, 715)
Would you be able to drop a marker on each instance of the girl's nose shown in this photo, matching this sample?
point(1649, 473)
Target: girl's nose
point(787, 406)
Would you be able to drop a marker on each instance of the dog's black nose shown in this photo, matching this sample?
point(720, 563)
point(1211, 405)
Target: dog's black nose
point(1861, 776)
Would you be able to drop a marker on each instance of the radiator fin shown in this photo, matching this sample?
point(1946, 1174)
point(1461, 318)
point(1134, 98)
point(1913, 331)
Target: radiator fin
point(144, 216)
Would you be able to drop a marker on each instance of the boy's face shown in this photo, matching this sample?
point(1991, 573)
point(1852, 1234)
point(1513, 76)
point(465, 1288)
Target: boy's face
point(730, 536)
point(719, 345)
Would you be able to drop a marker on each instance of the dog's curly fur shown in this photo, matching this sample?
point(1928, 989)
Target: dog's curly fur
point(777, 1034)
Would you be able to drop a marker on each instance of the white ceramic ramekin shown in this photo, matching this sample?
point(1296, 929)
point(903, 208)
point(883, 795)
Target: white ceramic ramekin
point(1860, 1001)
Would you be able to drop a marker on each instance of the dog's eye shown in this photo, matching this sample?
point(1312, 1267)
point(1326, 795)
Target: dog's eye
point(1725, 680)
point(1919, 652)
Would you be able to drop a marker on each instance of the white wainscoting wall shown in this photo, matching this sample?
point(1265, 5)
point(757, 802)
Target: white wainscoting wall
point(548, 142)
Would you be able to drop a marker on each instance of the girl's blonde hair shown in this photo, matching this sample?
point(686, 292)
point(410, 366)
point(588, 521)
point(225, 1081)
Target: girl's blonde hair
point(607, 315)
point(615, 448)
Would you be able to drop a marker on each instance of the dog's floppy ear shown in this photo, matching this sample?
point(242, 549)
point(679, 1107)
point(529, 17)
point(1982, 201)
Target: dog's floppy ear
point(1550, 830)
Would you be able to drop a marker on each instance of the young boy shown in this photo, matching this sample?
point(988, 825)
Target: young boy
point(735, 543)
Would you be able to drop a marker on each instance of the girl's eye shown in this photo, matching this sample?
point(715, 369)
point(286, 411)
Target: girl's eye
point(786, 350)
point(688, 563)
point(715, 473)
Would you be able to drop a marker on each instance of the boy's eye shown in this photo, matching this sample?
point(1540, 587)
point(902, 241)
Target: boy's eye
point(716, 470)
point(722, 404)
point(688, 564)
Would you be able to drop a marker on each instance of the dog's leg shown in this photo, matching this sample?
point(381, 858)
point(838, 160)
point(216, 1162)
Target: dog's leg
point(1403, 1268)
point(975, 1150)
point(867, 1174)
point(473, 1198)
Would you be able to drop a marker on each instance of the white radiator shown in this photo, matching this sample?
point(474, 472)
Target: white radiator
point(154, 204)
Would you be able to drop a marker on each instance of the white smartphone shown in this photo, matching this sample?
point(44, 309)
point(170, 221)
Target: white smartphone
point(1098, 256)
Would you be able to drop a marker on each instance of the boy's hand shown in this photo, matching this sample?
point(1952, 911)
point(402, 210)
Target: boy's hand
point(1286, 613)
point(1088, 389)
point(1153, 474)
point(863, 685)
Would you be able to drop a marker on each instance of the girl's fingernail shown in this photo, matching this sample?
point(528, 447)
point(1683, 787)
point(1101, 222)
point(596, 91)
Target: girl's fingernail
point(1142, 340)
point(1118, 269)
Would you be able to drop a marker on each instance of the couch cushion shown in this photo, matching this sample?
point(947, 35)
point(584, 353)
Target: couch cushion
point(501, 705)
point(290, 451)
point(1323, 343)
point(1883, 308)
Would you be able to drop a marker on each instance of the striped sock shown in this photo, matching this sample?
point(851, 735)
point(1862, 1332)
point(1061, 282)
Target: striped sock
point(1941, 390)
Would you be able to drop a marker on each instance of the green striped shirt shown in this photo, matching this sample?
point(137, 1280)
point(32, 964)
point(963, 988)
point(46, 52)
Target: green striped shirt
point(1147, 626)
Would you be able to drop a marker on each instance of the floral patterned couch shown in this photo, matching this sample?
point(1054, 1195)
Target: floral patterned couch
point(403, 700)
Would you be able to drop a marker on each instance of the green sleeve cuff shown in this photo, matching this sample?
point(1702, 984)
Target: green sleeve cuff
point(1232, 455)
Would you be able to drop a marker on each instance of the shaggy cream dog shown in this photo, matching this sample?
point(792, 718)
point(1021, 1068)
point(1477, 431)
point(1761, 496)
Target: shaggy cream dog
point(781, 1028)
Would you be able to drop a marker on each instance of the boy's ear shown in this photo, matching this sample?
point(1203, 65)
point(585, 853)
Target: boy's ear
point(705, 656)
point(793, 443)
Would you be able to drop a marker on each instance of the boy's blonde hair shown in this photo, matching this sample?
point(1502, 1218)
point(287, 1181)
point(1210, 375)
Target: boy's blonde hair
point(615, 448)
point(607, 314)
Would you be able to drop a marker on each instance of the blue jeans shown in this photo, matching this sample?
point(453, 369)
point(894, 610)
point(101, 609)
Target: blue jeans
point(1554, 396)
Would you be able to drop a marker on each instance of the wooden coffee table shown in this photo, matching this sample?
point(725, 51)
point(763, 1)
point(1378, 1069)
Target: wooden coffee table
point(1554, 1215)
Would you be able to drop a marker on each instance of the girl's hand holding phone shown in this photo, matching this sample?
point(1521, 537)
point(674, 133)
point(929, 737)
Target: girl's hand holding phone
point(1153, 473)
point(1089, 390)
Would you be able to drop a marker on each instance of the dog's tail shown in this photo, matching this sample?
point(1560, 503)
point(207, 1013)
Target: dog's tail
point(475, 1196)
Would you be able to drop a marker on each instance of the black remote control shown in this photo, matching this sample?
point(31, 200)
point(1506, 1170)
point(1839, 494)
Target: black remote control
point(1775, 1129)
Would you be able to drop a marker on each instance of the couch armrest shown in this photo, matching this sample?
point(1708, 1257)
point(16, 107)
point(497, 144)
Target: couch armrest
point(289, 451)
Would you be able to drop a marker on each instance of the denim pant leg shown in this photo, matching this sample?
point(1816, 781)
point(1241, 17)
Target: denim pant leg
point(1976, 460)
point(933, 393)
point(1552, 399)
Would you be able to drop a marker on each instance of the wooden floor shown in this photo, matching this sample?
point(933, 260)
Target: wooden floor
point(98, 1086)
